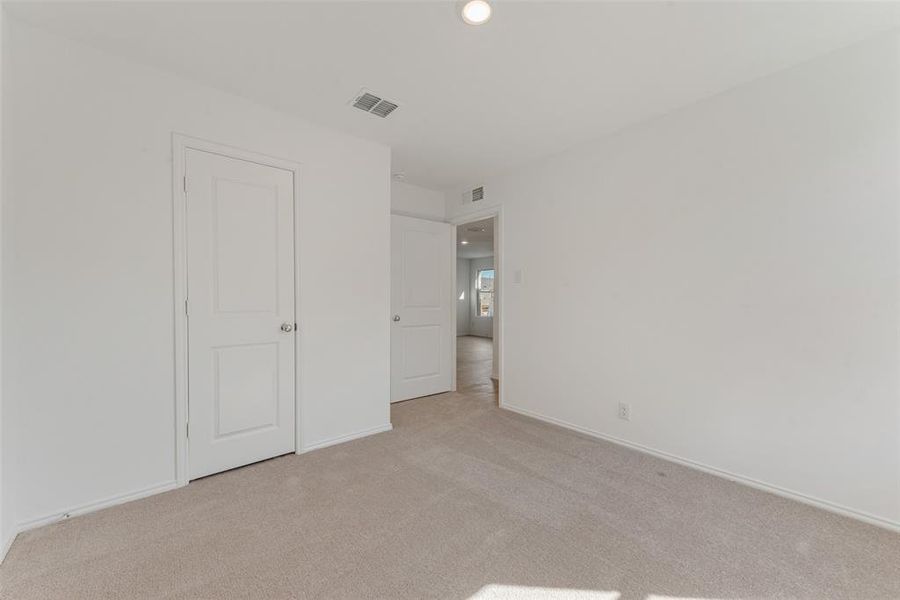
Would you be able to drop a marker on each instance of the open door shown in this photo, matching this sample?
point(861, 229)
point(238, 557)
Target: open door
point(421, 278)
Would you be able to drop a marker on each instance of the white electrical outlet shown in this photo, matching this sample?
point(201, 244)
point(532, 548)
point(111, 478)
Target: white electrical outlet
point(624, 411)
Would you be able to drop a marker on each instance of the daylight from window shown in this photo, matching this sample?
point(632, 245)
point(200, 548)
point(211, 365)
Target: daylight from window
point(484, 283)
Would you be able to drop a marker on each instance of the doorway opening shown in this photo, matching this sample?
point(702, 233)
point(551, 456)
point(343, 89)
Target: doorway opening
point(477, 308)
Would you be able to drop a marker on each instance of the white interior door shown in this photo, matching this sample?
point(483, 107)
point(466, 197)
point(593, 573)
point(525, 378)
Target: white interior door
point(421, 275)
point(240, 265)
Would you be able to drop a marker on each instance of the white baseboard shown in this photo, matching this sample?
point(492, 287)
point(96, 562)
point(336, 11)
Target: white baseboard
point(6, 545)
point(345, 438)
point(150, 491)
point(82, 509)
point(95, 506)
point(748, 481)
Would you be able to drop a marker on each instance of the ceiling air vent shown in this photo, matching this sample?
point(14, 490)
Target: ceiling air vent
point(478, 194)
point(384, 108)
point(373, 104)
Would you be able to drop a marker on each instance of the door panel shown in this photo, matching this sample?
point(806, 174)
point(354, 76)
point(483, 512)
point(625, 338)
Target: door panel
point(421, 351)
point(240, 248)
point(421, 275)
point(245, 392)
point(422, 268)
point(246, 252)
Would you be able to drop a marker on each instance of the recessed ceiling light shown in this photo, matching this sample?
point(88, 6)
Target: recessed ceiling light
point(476, 12)
point(464, 242)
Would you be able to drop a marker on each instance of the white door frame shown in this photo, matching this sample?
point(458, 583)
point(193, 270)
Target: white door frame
point(180, 144)
point(499, 286)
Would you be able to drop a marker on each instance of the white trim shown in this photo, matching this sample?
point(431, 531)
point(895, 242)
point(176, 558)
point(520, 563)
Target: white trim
point(95, 506)
point(403, 213)
point(346, 438)
point(111, 501)
point(180, 144)
point(477, 215)
point(748, 481)
point(454, 327)
point(6, 545)
point(495, 213)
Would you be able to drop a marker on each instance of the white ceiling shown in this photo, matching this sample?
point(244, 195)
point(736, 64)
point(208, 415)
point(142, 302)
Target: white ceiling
point(479, 237)
point(538, 78)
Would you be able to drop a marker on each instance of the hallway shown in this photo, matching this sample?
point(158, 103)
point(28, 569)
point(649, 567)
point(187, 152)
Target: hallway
point(474, 362)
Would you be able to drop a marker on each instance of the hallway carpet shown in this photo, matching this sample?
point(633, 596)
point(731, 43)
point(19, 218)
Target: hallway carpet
point(462, 500)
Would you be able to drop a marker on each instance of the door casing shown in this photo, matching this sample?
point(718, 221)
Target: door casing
point(180, 144)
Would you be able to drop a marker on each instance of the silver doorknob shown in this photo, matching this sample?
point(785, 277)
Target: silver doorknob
point(287, 327)
point(396, 318)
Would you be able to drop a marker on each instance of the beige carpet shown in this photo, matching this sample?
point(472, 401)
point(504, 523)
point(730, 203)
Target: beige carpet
point(462, 500)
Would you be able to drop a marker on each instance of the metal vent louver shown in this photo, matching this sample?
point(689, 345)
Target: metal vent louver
point(366, 101)
point(478, 194)
point(373, 104)
point(384, 108)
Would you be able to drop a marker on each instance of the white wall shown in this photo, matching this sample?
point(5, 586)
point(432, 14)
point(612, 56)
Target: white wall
point(731, 271)
point(480, 326)
point(415, 201)
point(463, 291)
point(87, 250)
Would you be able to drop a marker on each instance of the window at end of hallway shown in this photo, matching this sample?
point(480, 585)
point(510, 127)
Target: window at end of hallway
point(484, 283)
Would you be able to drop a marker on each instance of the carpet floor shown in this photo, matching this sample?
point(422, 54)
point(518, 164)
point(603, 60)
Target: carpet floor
point(461, 501)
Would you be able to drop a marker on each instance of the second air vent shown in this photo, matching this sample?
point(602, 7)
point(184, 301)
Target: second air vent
point(478, 194)
point(372, 104)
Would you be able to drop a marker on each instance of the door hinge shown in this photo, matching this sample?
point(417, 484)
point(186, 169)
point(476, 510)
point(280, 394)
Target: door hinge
point(184, 183)
point(187, 429)
point(185, 306)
